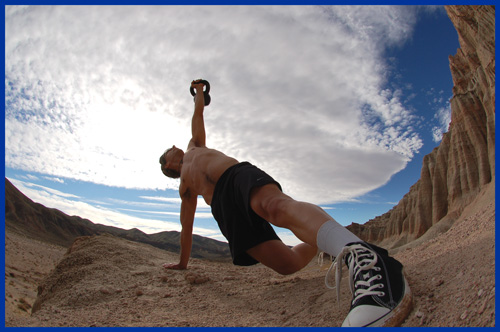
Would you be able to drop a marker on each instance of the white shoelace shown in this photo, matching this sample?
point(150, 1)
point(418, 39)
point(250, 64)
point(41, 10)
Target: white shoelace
point(361, 259)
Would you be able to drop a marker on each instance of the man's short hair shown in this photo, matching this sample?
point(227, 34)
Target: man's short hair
point(168, 172)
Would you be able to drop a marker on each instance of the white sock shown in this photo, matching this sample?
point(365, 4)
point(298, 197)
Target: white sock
point(332, 237)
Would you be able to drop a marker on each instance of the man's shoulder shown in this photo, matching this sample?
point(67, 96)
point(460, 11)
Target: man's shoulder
point(195, 144)
point(197, 149)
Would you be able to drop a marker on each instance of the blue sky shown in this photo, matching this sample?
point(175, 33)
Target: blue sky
point(339, 104)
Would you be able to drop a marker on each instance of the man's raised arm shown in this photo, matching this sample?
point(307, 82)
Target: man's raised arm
point(197, 123)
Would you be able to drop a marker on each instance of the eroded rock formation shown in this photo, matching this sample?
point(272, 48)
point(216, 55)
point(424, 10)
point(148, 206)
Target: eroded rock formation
point(456, 171)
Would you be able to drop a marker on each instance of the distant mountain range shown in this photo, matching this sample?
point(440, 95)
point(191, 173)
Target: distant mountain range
point(34, 220)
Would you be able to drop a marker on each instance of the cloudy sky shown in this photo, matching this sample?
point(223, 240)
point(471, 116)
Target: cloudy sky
point(339, 104)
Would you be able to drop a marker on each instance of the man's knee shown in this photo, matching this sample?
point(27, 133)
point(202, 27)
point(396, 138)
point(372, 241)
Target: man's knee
point(276, 255)
point(287, 270)
point(287, 265)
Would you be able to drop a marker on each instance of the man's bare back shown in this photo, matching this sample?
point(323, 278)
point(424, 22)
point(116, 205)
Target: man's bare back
point(202, 167)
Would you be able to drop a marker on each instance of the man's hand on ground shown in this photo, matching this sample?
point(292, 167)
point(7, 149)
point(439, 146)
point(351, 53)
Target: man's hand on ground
point(173, 266)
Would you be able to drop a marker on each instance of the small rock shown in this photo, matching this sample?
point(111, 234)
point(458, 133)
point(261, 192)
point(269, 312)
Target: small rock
point(464, 315)
point(481, 291)
point(419, 314)
point(482, 307)
point(201, 280)
point(104, 291)
point(196, 279)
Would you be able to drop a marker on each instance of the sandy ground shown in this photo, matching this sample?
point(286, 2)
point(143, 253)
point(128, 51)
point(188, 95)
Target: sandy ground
point(27, 262)
point(106, 281)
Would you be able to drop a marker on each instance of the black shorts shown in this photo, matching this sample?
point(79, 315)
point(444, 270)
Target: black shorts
point(241, 226)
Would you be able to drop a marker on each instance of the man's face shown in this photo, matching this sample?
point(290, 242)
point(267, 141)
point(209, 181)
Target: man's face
point(168, 153)
point(171, 158)
point(174, 154)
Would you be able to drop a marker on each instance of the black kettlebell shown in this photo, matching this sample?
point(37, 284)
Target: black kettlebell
point(205, 93)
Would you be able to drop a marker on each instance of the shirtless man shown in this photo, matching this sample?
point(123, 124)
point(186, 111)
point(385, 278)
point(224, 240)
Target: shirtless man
point(245, 201)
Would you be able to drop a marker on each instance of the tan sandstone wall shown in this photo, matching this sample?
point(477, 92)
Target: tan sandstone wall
point(455, 172)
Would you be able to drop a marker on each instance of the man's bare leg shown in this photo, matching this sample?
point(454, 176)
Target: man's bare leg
point(307, 221)
point(303, 219)
point(282, 259)
point(389, 300)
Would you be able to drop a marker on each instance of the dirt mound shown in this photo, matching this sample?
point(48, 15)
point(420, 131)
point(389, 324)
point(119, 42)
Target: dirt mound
point(94, 269)
point(107, 281)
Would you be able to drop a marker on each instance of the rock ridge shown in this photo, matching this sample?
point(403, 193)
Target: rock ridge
point(456, 171)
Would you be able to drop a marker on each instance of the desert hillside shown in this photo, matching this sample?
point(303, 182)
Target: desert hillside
point(24, 216)
point(107, 281)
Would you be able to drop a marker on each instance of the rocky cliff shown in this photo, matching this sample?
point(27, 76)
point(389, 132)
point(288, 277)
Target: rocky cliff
point(463, 164)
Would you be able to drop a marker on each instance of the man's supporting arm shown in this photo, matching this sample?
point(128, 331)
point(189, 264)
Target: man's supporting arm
point(198, 123)
point(188, 209)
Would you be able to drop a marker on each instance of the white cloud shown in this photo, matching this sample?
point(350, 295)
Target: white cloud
point(41, 190)
point(443, 117)
point(53, 179)
point(201, 204)
point(30, 177)
point(198, 215)
point(98, 93)
point(175, 200)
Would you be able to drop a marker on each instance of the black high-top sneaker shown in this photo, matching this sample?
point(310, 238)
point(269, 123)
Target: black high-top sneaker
point(380, 293)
